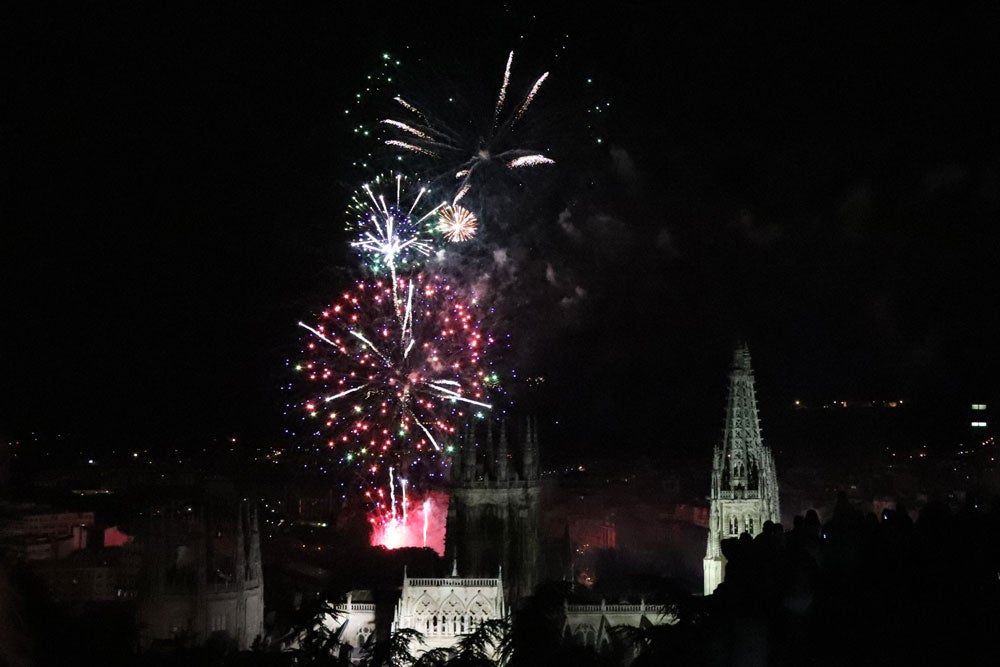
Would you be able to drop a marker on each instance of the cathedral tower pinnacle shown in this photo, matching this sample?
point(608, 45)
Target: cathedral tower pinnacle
point(493, 515)
point(744, 491)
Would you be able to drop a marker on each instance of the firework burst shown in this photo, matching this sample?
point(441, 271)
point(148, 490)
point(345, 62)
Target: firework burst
point(419, 132)
point(388, 385)
point(392, 229)
point(457, 223)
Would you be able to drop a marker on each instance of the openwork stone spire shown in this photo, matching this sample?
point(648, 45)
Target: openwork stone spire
point(744, 491)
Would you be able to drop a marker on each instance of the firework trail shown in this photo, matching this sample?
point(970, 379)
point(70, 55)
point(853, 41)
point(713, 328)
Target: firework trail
point(422, 525)
point(466, 154)
point(427, 517)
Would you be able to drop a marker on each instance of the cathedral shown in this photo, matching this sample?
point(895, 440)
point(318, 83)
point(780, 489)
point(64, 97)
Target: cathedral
point(744, 492)
point(493, 517)
point(492, 540)
point(494, 544)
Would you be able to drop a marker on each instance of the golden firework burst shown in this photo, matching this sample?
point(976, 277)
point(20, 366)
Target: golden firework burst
point(457, 223)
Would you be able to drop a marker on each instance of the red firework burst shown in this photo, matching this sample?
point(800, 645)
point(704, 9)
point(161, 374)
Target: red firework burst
point(391, 369)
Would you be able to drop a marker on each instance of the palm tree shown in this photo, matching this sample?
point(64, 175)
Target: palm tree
point(391, 652)
point(486, 646)
point(436, 657)
point(535, 635)
point(313, 640)
point(681, 642)
point(483, 647)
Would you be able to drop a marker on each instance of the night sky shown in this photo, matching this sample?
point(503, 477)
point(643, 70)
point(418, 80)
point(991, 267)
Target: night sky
point(822, 183)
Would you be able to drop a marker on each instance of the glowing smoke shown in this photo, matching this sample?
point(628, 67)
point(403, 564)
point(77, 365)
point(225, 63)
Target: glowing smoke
point(421, 525)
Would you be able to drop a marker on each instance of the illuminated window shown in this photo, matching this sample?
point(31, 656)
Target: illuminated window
point(978, 424)
point(978, 406)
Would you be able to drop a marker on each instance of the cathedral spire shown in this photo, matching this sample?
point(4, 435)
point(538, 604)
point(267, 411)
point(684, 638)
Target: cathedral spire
point(742, 444)
point(744, 489)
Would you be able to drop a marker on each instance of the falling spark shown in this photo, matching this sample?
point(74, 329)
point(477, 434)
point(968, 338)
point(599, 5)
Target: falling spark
point(427, 517)
point(392, 494)
point(461, 193)
point(402, 486)
point(529, 161)
point(406, 128)
point(503, 90)
point(456, 396)
point(530, 98)
point(409, 107)
point(318, 334)
point(411, 148)
point(429, 436)
point(343, 393)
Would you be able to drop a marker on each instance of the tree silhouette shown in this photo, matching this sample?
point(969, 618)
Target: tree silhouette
point(393, 651)
point(314, 637)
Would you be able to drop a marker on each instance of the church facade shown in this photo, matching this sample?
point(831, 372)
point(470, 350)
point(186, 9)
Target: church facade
point(443, 609)
point(744, 491)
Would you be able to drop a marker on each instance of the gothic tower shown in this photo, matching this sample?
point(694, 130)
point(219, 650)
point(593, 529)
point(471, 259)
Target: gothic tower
point(493, 522)
point(744, 490)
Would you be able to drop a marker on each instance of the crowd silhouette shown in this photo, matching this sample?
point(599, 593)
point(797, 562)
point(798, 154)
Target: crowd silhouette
point(860, 590)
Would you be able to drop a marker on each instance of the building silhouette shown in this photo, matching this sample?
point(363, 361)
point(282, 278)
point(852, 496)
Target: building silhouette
point(493, 512)
point(201, 570)
point(744, 492)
